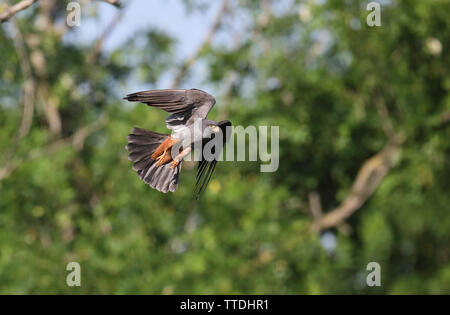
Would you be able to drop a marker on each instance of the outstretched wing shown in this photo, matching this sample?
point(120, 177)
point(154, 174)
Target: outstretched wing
point(206, 168)
point(184, 105)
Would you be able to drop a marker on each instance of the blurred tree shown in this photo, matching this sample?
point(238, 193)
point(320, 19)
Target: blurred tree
point(364, 171)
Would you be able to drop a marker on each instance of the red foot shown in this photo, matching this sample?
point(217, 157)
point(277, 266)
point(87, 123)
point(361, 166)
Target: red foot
point(163, 147)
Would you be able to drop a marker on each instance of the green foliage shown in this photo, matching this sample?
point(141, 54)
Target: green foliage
point(319, 79)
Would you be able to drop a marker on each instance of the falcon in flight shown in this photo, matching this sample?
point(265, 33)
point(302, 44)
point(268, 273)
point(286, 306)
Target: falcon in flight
point(157, 157)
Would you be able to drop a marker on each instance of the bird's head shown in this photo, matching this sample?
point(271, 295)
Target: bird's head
point(211, 126)
point(214, 128)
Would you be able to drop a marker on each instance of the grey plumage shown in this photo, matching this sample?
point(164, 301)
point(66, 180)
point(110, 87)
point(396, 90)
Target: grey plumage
point(185, 108)
point(185, 105)
point(141, 144)
point(206, 167)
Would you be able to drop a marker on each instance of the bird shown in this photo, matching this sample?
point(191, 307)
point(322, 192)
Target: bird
point(157, 157)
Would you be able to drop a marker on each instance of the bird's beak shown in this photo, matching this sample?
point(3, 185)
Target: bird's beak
point(215, 129)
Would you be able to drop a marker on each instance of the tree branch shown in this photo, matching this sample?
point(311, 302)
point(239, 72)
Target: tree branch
point(78, 138)
point(13, 10)
point(206, 42)
point(29, 84)
point(442, 121)
point(369, 176)
point(98, 44)
point(386, 121)
point(116, 3)
point(314, 205)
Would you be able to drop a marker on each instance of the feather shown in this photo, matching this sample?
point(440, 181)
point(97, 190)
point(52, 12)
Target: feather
point(141, 145)
point(206, 168)
point(184, 105)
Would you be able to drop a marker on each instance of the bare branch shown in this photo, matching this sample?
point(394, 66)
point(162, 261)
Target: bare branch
point(29, 84)
point(367, 181)
point(443, 120)
point(98, 45)
point(369, 176)
point(13, 10)
point(38, 62)
point(206, 42)
point(50, 106)
point(314, 205)
point(116, 3)
point(81, 135)
point(8, 169)
point(445, 117)
point(386, 121)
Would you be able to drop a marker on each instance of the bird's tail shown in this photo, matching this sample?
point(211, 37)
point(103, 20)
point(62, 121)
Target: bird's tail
point(141, 145)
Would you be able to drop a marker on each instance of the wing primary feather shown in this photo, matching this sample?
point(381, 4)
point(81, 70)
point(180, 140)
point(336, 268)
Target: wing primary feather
point(209, 176)
point(206, 168)
point(200, 173)
point(201, 168)
point(206, 178)
point(187, 104)
point(201, 178)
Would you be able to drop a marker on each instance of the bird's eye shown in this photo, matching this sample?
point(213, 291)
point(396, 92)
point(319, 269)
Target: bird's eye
point(215, 129)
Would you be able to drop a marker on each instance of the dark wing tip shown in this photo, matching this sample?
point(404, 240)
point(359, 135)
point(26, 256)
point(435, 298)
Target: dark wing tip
point(224, 123)
point(201, 96)
point(133, 97)
point(204, 174)
point(128, 98)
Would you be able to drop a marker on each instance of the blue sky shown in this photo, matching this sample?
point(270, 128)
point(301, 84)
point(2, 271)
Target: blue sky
point(168, 15)
point(189, 29)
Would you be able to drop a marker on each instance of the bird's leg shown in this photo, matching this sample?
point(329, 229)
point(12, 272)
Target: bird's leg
point(180, 156)
point(163, 158)
point(161, 155)
point(164, 146)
